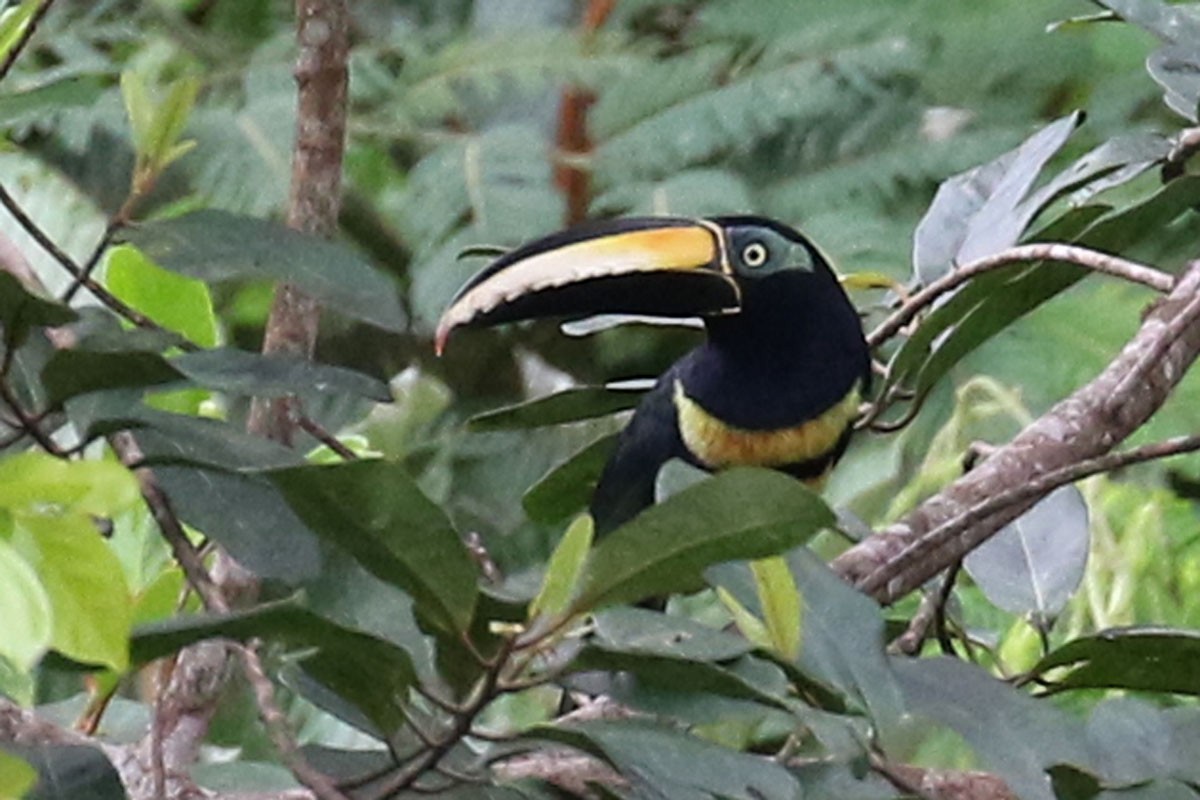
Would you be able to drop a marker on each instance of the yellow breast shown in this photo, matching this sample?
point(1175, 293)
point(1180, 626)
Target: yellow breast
point(717, 444)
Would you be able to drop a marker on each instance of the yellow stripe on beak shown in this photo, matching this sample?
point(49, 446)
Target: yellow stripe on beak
point(672, 247)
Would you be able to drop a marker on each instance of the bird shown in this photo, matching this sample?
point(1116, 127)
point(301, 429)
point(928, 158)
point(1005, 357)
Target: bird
point(777, 381)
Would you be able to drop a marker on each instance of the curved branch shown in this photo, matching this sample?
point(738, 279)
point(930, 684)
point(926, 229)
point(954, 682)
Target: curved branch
point(1050, 251)
point(1085, 425)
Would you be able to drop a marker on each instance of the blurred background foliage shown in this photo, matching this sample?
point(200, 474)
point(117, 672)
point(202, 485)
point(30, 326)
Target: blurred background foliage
point(840, 118)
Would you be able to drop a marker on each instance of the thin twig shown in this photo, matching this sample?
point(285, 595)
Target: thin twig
point(29, 422)
point(1041, 485)
point(30, 28)
point(315, 430)
point(85, 272)
point(930, 614)
point(277, 728)
point(1050, 251)
point(67, 263)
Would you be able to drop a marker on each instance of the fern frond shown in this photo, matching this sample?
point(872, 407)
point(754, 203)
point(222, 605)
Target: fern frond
point(759, 105)
point(489, 71)
point(875, 176)
point(696, 192)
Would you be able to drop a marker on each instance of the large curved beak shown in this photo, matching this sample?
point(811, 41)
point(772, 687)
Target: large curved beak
point(661, 266)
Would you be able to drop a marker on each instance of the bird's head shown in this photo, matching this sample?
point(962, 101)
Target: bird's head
point(662, 266)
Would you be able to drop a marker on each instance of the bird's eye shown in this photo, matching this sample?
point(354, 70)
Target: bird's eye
point(754, 254)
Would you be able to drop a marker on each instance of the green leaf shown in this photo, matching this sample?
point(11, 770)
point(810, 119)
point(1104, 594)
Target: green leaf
point(140, 110)
point(371, 674)
point(168, 438)
point(216, 246)
point(639, 630)
point(781, 604)
point(568, 486)
point(26, 609)
point(992, 302)
point(1016, 736)
point(1149, 658)
point(1035, 563)
point(265, 535)
point(563, 570)
point(972, 214)
point(741, 513)
point(240, 372)
point(13, 23)
point(17, 776)
point(569, 405)
point(170, 118)
point(749, 625)
point(19, 108)
point(69, 772)
point(91, 605)
point(1171, 24)
point(71, 373)
point(175, 302)
point(1176, 68)
point(40, 485)
point(375, 512)
point(75, 372)
point(1133, 741)
point(21, 311)
point(664, 762)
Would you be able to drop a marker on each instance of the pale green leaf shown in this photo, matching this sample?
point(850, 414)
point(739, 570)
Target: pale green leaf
point(140, 110)
point(564, 569)
point(90, 601)
point(16, 776)
point(781, 604)
point(25, 609)
point(750, 626)
point(38, 483)
point(174, 301)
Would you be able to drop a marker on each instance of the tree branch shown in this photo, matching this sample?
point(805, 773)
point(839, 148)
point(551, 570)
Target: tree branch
point(1085, 425)
point(322, 76)
point(1050, 251)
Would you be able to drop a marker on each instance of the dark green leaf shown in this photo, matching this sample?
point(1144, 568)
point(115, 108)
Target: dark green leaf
point(20, 311)
point(369, 673)
point(167, 438)
point(241, 372)
point(679, 674)
point(639, 630)
point(69, 772)
point(265, 535)
point(1153, 659)
point(374, 511)
point(664, 762)
point(1035, 563)
point(567, 488)
point(217, 246)
point(842, 640)
point(20, 108)
point(71, 373)
point(569, 405)
point(742, 513)
point(1132, 741)
point(1016, 736)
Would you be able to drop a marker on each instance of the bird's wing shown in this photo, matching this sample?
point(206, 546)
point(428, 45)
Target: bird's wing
point(649, 441)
